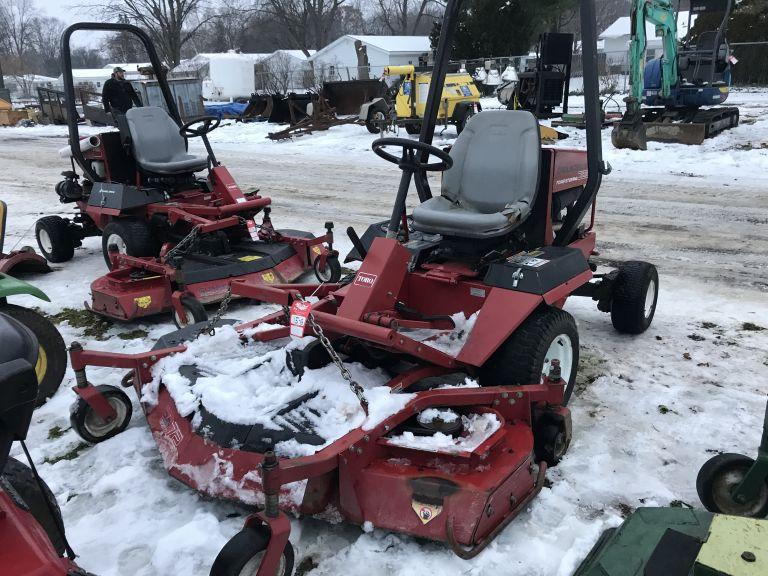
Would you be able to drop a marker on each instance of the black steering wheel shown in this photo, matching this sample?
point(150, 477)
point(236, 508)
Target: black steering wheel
point(208, 124)
point(412, 150)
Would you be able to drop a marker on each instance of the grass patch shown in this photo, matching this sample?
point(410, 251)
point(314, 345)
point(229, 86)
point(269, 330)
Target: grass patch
point(306, 566)
point(752, 327)
point(133, 334)
point(55, 432)
point(708, 325)
point(696, 337)
point(71, 455)
point(93, 325)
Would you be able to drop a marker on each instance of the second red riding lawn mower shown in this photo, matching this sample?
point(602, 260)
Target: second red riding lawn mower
point(172, 239)
point(457, 315)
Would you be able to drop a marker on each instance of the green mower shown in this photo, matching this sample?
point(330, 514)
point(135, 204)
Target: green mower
point(736, 484)
point(680, 542)
point(52, 356)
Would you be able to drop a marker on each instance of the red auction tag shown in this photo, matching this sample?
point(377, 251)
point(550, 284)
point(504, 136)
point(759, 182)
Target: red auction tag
point(252, 230)
point(299, 313)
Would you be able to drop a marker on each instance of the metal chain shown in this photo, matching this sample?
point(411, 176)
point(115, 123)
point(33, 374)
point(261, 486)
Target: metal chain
point(358, 390)
point(183, 243)
point(210, 327)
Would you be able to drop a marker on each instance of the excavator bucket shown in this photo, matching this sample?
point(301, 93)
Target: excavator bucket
point(629, 132)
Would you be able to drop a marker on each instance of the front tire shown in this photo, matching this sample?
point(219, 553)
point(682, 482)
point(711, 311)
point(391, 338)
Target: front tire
point(242, 555)
point(132, 237)
point(39, 499)
point(526, 356)
point(635, 293)
point(90, 426)
point(52, 356)
point(54, 239)
point(413, 129)
point(719, 477)
point(375, 121)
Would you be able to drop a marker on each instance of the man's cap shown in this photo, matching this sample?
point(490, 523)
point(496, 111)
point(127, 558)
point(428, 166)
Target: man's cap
point(118, 69)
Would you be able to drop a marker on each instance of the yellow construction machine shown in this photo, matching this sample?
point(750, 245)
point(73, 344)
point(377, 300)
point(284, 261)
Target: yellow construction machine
point(407, 97)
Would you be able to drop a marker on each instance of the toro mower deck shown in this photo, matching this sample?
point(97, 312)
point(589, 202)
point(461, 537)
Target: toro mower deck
point(172, 239)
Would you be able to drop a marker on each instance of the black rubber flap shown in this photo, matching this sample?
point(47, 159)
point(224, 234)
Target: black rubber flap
point(674, 555)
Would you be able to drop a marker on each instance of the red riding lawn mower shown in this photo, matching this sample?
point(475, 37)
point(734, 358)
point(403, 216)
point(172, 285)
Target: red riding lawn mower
point(471, 284)
point(172, 240)
point(31, 528)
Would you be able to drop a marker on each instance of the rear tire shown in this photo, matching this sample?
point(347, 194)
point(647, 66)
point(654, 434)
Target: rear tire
point(461, 123)
point(635, 294)
point(90, 426)
point(526, 355)
point(413, 129)
point(194, 311)
point(132, 237)
point(38, 498)
point(722, 474)
point(54, 239)
point(52, 356)
point(242, 555)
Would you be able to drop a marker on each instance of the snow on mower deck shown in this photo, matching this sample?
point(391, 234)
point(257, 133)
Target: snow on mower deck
point(453, 463)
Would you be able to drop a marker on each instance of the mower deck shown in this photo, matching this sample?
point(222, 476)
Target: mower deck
point(139, 287)
point(460, 490)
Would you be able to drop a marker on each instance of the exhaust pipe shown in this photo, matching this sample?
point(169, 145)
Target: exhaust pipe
point(85, 145)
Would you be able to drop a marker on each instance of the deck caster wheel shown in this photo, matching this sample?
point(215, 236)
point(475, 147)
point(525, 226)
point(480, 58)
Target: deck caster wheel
point(194, 312)
point(635, 293)
point(332, 271)
point(717, 480)
point(550, 444)
point(242, 555)
point(90, 426)
point(54, 239)
point(52, 352)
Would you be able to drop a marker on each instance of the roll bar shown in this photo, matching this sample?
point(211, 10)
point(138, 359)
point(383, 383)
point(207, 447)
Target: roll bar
point(69, 85)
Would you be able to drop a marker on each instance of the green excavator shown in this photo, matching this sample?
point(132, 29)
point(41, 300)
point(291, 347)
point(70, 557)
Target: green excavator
point(674, 97)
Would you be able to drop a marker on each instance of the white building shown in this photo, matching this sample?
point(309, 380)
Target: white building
point(131, 68)
point(225, 75)
point(26, 86)
point(617, 36)
point(338, 60)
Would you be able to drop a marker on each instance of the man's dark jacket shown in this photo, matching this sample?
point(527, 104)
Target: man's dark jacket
point(119, 95)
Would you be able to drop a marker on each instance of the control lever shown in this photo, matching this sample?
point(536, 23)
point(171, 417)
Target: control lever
point(357, 243)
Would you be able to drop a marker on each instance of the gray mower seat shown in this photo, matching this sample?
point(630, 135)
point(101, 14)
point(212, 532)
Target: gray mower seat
point(491, 187)
point(157, 145)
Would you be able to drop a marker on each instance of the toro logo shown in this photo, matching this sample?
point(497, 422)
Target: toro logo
point(365, 279)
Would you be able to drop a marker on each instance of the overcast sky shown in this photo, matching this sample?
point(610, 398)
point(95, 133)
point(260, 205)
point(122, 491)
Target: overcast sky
point(71, 11)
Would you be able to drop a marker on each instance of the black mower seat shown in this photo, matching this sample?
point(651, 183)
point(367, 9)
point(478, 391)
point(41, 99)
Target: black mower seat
point(491, 187)
point(157, 145)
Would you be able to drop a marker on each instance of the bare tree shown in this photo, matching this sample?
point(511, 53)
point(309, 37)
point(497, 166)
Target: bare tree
point(17, 19)
point(280, 73)
point(168, 22)
point(403, 17)
point(46, 43)
point(309, 22)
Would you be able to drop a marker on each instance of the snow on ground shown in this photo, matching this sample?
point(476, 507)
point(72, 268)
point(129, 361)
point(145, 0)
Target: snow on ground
point(647, 412)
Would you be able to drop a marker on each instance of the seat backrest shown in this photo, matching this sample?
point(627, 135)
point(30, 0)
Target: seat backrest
point(154, 135)
point(496, 161)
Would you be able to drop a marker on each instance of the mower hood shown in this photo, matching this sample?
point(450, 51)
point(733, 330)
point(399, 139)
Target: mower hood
point(10, 286)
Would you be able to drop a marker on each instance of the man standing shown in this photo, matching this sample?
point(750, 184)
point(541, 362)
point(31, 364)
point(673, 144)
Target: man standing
point(118, 95)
